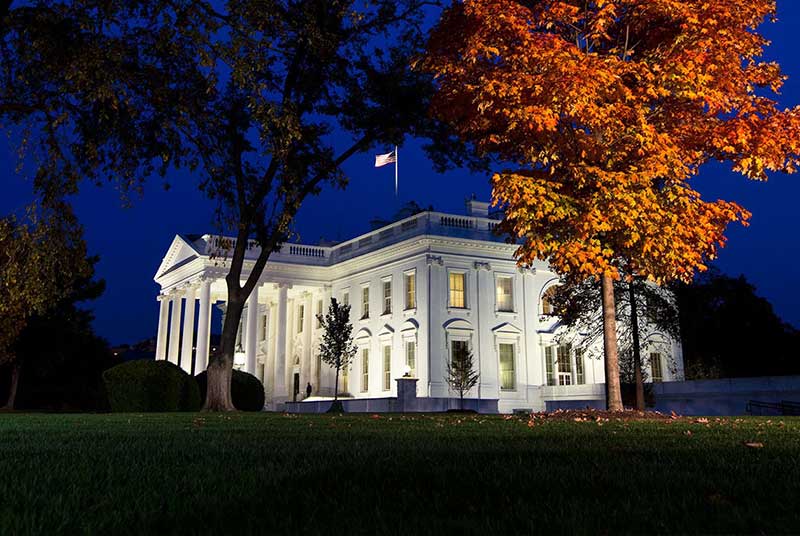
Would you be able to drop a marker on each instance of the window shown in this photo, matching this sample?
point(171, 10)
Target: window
point(549, 360)
point(457, 294)
point(387, 367)
point(264, 327)
point(548, 309)
point(458, 349)
point(564, 365)
point(505, 297)
point(301, 313)
point(346, 297)
point(656, 371)
point(387, 296)
point(411, 358)
point(580, 375)
point(319, 313)
point(411, 290)
point(364, 370)
point(507, 376)
point(365, 302)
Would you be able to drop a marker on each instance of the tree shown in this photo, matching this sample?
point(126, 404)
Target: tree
point(263, 101)
point(337, 348)
point(728, 331)
point(642, 308)
point(607, 109)
point(460, 373)
point(41, 258)
point(60, 357)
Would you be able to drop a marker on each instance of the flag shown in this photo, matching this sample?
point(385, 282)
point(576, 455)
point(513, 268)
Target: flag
point(385, 159)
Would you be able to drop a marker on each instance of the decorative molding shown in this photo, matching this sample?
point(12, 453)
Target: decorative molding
point(482, 265)
point(434, 259)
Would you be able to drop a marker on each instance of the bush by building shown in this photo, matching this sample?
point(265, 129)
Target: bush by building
point(145, 385)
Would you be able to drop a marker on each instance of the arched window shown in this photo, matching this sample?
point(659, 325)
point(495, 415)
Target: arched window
point(548, 307)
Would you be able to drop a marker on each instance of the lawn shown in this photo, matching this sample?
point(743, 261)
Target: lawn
point(267, 473)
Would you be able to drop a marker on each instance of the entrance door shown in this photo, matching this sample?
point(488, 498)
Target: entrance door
point(296, 388)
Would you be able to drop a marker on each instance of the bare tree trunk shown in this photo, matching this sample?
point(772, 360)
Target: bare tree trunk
point(637, 358)
point(12, 390)
point(613, 393)
point(220, 368)
point(336, 386)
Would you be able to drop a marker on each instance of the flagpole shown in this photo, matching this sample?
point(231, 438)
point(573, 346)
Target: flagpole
point(396, 158)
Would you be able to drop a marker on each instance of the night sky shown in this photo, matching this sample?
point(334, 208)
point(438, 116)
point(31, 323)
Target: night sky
point(132, 241)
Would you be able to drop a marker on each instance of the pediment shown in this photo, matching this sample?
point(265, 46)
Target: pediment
point(458, 324)
point(180, 252)
point(506, 328)
point(363, 333)
point(409, 325)
point(386, 331)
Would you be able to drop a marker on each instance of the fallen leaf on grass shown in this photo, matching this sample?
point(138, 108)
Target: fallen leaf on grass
point(701, 420)
point(754, 444)
point(687, 432)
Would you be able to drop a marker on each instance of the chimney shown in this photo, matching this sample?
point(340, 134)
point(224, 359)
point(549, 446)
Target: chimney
point(477, 208)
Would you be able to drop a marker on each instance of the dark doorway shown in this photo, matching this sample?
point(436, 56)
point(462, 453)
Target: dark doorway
point(296, 389)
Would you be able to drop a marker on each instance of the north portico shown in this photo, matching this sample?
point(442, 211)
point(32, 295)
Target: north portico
point(420, 289)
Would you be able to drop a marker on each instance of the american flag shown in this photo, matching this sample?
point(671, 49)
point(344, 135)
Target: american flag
point(385, 159)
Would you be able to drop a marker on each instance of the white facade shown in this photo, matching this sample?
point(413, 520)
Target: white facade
point(418, 288)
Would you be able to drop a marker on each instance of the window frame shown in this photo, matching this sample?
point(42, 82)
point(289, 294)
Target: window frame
point(365, 293)
point(512, 305)
point(463, 274)
point(410, 305)
point(387, 300)
point(300, 319)
point(387, 367)
point(513, 346)
point(365, 369)
point(548, 289)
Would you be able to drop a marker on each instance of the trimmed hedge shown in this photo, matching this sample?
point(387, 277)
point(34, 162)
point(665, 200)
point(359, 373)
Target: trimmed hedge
point(145, 385)
point(247, 391)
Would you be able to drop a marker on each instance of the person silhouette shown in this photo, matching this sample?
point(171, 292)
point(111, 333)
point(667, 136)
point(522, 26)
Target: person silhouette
point(308, 390)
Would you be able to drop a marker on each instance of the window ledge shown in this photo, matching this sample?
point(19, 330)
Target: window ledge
point(506, 313)
point(410, 312)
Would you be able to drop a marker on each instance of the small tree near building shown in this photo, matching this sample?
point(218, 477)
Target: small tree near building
point(460, 373)
point(337, 348)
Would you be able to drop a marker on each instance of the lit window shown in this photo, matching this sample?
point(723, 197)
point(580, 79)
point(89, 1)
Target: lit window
point(457, 284)
point(548, 307)
point(387, 297)
point(411, 358)
point(411, 290)
point(365, 302)
point(301, 313)
point(365, 370)
point(549, 360)
point(319, 313)
point(264, 327)
point(505, 296)
point(656, 371)
point(387, 367)
point(507, 376)
point(346, 298)
point(564, 365)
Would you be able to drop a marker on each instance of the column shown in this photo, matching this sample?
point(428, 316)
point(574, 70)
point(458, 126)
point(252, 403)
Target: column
point(188, 330)
point(163, 321)
point(251, 330)
point(308, 370)
point(203, 327)
point(280, 393)
point(175, 330)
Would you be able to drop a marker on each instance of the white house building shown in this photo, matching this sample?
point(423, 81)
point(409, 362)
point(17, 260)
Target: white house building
point(419, 289)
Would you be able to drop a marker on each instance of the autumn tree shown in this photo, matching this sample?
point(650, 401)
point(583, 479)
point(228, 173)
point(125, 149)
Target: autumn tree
point(605, 111)
point(337, 348)
point(263, 101)
point(42, 255)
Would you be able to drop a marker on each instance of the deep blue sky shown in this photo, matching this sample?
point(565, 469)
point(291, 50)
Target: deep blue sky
point(132, 241)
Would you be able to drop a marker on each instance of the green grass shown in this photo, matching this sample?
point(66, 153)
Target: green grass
point(267, 473)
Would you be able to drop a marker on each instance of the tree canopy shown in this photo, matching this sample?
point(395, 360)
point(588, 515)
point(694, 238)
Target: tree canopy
point(608, 108)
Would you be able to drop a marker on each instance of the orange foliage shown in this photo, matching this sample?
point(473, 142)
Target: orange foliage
point(609, 108)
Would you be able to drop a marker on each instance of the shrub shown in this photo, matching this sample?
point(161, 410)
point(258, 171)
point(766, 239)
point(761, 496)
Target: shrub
point(247, 391)
point(145, 385)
